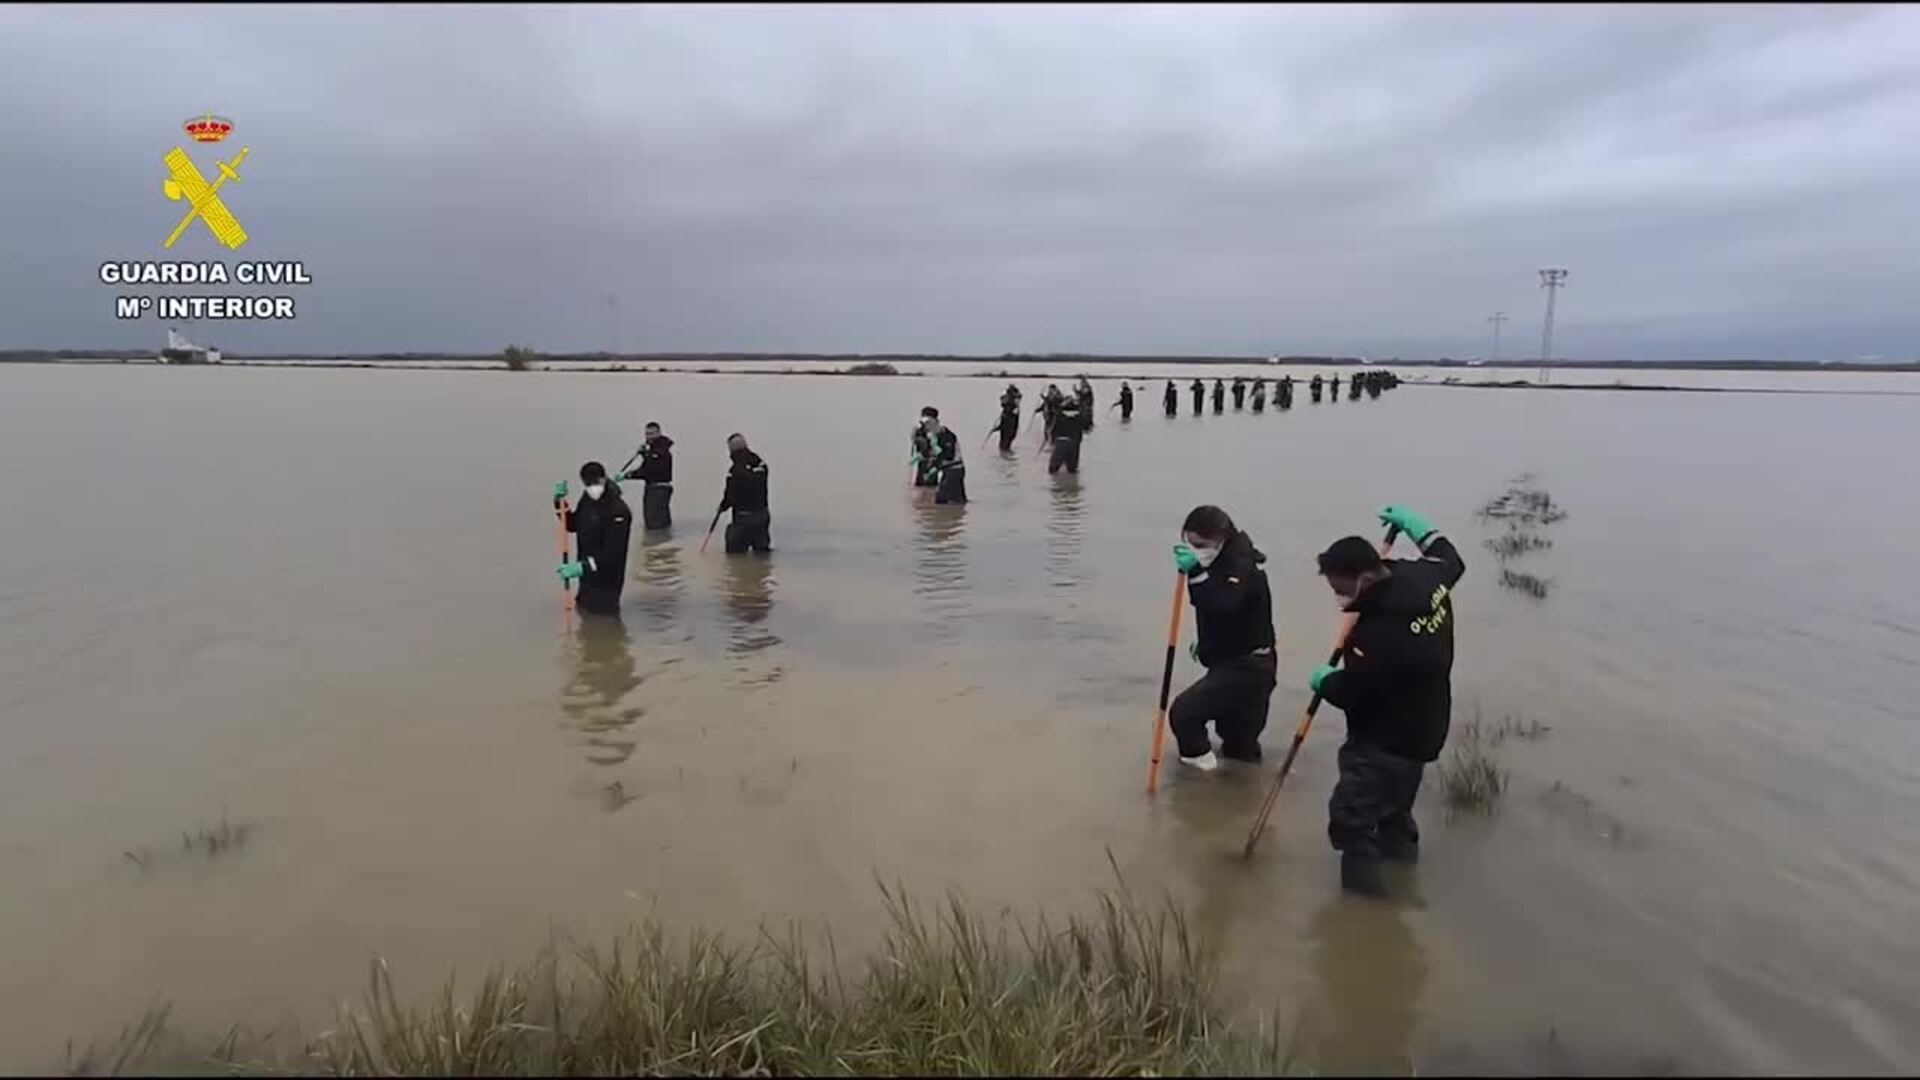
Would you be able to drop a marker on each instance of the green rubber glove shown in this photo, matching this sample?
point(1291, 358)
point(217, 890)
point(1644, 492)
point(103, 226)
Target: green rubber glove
point(1184, 559)
point(559, 492)
point(914, 461)
point(573, 571)
point(1319, 676)
point(1416, 527)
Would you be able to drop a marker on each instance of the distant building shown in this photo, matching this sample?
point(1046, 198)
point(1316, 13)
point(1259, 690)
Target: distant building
point(181, 351)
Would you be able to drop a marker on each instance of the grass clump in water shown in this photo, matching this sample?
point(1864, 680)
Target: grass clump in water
point(1126, 992)
point(1517, 542)
point(1472, 779)
point(873, 367)
point(1536, 587)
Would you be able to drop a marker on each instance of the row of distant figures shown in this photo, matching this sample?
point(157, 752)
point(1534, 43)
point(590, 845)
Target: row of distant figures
point(1319, 389)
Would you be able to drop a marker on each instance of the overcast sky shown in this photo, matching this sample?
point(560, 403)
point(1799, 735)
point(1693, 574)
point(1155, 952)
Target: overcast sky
point(1722, 182)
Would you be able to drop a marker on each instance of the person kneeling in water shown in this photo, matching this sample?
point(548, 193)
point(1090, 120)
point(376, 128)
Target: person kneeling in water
point(1233, 614)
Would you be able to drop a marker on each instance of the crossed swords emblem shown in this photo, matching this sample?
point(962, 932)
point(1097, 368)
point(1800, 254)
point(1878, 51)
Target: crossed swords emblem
point(187, 183)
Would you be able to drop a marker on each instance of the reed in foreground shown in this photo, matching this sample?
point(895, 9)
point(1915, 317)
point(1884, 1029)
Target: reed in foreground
point(1126, 992)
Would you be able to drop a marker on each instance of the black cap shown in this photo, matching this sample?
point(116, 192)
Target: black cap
point(1350, 556)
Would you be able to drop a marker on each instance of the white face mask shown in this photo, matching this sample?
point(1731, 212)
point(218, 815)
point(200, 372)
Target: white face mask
point(1205, 555)
point(594, 491)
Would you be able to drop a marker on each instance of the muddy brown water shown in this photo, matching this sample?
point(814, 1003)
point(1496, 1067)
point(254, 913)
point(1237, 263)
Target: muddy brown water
point(322, 602)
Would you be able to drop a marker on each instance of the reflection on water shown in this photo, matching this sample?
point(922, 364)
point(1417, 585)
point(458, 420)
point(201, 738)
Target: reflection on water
point(747, 588)
point(1369, 972)
point(596, 698)
point(1065, 513)
point(662, 581)
point(940, 586)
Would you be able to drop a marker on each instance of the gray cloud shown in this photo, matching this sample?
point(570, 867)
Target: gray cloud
point(1722, 181)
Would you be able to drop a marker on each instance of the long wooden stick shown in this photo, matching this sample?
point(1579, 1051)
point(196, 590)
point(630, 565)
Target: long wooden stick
point(710, 527)
point(566, 594)
point(1166, 681)
point(1306, 720)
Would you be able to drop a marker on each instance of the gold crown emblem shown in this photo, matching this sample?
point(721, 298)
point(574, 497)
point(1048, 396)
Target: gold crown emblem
point(208, 128)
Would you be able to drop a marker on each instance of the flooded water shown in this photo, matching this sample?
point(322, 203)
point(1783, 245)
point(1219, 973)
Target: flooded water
point(322, 603)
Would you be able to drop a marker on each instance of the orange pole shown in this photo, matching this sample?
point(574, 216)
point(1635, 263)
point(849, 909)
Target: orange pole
point(1306, 721)
point(566, 594)
point(1166, 681)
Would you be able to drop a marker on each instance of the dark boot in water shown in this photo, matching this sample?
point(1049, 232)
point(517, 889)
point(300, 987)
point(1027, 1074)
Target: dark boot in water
point(1361, 876)
point(1401, 851)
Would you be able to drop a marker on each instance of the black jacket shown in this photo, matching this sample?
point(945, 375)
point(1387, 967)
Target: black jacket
point(1232, 607)
point(746, 484)
point(946, 450)
point(1396, 685)
point(604, 526)
point(656, 462)
point(1069, 421)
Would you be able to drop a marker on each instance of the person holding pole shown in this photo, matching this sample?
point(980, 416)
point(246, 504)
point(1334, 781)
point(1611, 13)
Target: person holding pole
point(1395, 688)
point(604, 526)
point(746, 496)
point(1233, 617)
point(656, 472)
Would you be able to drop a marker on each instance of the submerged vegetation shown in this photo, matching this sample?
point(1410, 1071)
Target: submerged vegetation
point(1128, 992)
point(211, 842)
point(1472, 780)
point(1525, 508)
point(873, 367)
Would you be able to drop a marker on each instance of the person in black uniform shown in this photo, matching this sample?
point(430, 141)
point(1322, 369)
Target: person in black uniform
point(1353, 387)
point(746, 496)
point(950, 472)
point(1239, 393)
point(1068, 428)
point(604, 525)
point(1009, 423)
point(1396, 688)
point(920, 459)
point(1233, 616)
point(1285, 397)
point(1170, 400)
point(1083, 393)
point(1259, 396)
point(1049, 409)
point(1219, 397)
point(1314, 388)
point(1199, 395)
point(1125, 404)
point(656, 472)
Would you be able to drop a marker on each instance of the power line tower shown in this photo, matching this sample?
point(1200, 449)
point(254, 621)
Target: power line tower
point(1550, 280)
point(1496, 319)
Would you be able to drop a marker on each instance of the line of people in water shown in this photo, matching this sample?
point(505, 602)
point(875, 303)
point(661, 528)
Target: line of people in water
point(602, 523)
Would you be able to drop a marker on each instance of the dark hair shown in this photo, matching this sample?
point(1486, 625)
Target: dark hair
point(1209, 521)
point(928, 410)
point(592, 471)
point(1349, 556)
point(653, 423)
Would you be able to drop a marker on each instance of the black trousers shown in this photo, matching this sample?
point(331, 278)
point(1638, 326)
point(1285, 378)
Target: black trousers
point(748, 529)
point(953, 485)
point(598, 598)
point(1066, 452)
point(1371, 812)
point(1007, 433)
point(655, 502)
point(1234, 696)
